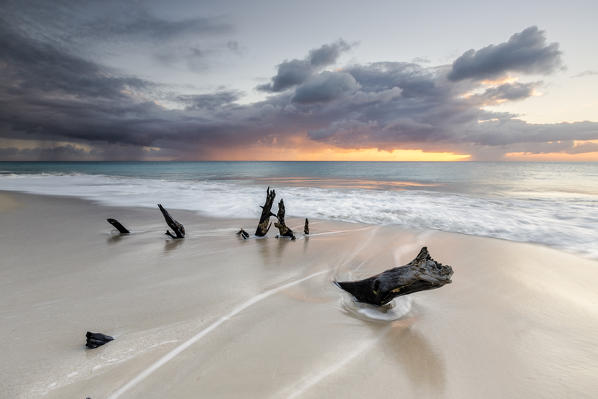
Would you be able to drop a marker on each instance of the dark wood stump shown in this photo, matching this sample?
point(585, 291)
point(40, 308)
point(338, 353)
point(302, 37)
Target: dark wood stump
point(306, 227)
point(121, 229)
point(179, 229)
point(422, 273)
point(264, 223)
point(283, 229)
point(93, 340)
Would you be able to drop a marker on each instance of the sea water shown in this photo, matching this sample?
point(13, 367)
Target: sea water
point(553, 204)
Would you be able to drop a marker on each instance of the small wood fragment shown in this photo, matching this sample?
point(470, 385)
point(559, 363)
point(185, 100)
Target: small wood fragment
point(243, 234)
point(118, 226)
point(422, 273)
point(306, 227)
point(179, 229)
point(93, 340)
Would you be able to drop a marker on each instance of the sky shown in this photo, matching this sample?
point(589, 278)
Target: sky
point(287, 80)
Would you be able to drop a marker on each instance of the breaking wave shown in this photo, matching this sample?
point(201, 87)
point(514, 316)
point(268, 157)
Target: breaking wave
point(569, 225)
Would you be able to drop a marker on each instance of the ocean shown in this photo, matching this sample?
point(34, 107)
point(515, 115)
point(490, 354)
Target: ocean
point(552, 204)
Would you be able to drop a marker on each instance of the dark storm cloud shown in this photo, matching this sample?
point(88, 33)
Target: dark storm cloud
point(209, 101)
point(108, 20)
point(293, 72)
point(50, 94)
point(33, 66)
point(325, 87)
point(524, 52)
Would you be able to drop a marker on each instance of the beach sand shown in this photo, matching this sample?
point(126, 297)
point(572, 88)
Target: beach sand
point(214, 316)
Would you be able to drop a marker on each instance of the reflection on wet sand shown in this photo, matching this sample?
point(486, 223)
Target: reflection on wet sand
point(425, 369)
point(169, 245)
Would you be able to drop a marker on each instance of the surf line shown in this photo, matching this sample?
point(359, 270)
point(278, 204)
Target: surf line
point(176, 351)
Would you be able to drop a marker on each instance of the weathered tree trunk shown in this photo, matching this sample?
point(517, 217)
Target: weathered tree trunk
point(121, 229)
point(283, 229)
point(93, 340)
point(422, 273)
point(179, 229)
point(306, 227)
point(264, 224)
point(243, 234)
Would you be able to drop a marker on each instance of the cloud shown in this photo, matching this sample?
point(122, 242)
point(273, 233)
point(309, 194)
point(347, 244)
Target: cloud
point(50, 94)
point(525, 52)
point(324, 87)
point(77, 21)
point(585, 73)
point(293, 72)
point(506, 92)
point(209, 101)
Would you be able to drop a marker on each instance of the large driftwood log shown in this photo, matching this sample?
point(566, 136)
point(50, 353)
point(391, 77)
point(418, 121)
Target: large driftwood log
point(422, 273)
point(306, 227)
point(121, 229)
point(93, 340)
point(264, 224)
point(179, 229)
point(283, 229)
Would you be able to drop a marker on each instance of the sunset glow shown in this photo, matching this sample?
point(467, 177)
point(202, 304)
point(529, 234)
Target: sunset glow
point(336, 154)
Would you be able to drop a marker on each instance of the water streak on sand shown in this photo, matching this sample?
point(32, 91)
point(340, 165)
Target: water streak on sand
point(176, 351)
point(305, 384)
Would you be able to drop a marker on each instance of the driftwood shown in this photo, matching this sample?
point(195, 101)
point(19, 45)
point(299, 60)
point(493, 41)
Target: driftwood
point(121, 229)
point(179, 229)
point(283, 229)
point(243, 234)
point(422, 273)
point(96, 339)
point(306, 227)
point(264, 224)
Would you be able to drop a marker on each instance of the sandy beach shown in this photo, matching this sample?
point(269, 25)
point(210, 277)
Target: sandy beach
point(215, 316)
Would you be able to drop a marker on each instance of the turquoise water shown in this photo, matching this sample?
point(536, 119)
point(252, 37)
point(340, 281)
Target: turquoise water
point(554, 204)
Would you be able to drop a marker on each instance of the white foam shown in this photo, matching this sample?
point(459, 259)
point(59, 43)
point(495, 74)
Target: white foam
point(569, 225)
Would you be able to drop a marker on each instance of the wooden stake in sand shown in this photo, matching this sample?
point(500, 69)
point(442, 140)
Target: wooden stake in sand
point(422, 273)
point(121, 229)
point(283, 229)
point(306, 227)
point(243, 233)
point(264, 223)
point(179, 229)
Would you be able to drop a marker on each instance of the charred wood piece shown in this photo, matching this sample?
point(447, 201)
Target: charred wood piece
point(283, 229)
point(264, 223)
point(422, 273)
point(306, 227)
point(96, 339)
point(243, 234)
point(116, 224)
point(179, 229)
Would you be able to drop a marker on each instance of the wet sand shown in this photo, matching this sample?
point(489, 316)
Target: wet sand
point(216, 316)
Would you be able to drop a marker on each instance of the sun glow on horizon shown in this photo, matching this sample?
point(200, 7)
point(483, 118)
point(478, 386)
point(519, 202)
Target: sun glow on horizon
point(336, 154)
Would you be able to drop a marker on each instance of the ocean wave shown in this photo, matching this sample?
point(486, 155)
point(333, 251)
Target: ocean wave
point(569, 225)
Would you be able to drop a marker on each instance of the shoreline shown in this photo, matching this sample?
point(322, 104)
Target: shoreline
point(519, 319)
point(253, 221)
